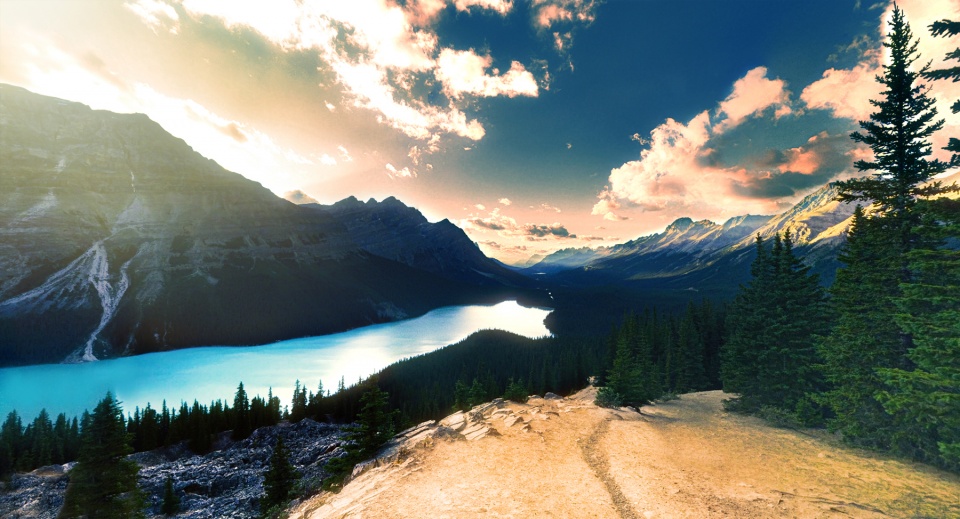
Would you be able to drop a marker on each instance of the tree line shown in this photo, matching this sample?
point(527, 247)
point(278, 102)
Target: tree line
point(877, 356)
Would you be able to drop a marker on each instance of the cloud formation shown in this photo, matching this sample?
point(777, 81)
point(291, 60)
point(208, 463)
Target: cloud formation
point(686, 171)
point(508, 227)
point(751, 96)
point(395, 173)
point(155, 14)
point(387, 56)
point(465, 72)
point(846, 93)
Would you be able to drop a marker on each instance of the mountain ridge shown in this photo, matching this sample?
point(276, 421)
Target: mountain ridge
point(132, 242)
point(817, 223)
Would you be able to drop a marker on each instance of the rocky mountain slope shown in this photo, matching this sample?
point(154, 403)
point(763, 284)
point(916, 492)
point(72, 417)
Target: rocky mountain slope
point(227, 482)
point(565, 457)
point(703, 248)
point(117, 238)
point(392, 230)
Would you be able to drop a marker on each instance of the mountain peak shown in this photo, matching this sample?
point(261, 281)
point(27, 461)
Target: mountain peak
point(680, 224)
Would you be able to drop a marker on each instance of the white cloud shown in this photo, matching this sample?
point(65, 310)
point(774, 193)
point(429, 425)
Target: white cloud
point(465, 72)
point(607, 206)
point(547, 208)
point(508, 227)
point(548, 13)
point(752, 95)
point(327, 160)
point(480, 207)
point(846, 93)
point(330, 106)
point(395, 173)
point(344, 154)
point(155, 14)
point(504, 201)
point(680, 174)
point(500, 6)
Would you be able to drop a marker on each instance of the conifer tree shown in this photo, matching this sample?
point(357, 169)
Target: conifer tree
point(925, 400)
point(771, 353)
point(241, 414)
point(103, 484)
point(867, 336)
point(171, 501)
point(11, 437)
point(899, 134)
point(278, 481)
point(948, 28)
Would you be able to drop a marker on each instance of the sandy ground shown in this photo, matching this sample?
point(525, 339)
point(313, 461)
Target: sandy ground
point(680, 459)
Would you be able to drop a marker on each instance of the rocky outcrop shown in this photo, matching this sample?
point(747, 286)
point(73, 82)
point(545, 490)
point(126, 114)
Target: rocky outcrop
point(479, 422)
point(225, 483)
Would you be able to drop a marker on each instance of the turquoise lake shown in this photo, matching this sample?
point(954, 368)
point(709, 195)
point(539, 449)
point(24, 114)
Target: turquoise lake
point(213, 372)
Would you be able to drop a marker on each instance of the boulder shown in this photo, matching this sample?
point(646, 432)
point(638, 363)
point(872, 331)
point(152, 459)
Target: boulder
point(456, 421)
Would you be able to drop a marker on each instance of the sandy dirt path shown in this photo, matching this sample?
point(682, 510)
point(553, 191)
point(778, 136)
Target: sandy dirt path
point(680, 459)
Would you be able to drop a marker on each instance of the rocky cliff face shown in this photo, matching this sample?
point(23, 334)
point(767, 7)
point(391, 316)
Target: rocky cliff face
point(117, 238)
point(227, 482)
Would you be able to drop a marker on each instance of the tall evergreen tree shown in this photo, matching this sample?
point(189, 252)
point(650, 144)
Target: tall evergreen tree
point(899, 134)
point(865, 336)
point(774, 321)
point(103, 484)
point(948, 28)
point(241, 414)
point(925, 400)
point(278, 481)
point(171, 501)
point(11, 438)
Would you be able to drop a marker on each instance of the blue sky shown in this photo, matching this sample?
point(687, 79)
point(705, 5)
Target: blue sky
point(534, 125)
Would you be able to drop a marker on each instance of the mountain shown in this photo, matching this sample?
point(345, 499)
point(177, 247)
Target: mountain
point(394, 231)
point(689, 252)
point(117, 238)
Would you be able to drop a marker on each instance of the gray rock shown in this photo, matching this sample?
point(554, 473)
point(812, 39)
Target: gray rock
point(224, 483)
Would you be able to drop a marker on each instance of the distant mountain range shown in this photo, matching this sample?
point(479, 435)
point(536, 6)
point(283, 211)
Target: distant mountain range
point(117, 238)
point(688, 250)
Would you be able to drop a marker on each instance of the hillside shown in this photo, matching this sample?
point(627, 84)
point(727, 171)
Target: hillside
point(117, 238)
point(683, 458)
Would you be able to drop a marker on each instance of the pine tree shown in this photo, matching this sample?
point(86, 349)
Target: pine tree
point(925, 400)
point(865, 336)
point(171, 501)
point(11, 438)
point(103, 484)
point(375, 422)
point(899, 134)
point(241, 414)
point(771, 353)
point(278, 481)
point(948, 28)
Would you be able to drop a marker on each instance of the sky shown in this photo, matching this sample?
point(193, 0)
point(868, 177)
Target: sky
point(533, 125)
